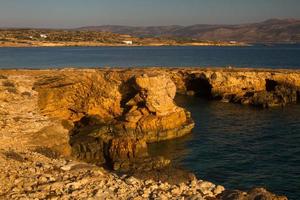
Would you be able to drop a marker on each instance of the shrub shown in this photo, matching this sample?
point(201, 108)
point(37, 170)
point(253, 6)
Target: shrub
point(3, 77)
point(8, 84)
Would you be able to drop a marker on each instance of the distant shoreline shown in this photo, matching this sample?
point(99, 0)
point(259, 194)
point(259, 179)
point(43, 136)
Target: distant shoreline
point(93, 44)
point(88, 44)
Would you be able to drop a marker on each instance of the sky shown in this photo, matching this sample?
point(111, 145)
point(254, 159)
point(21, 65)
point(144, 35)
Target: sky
point(77, 13)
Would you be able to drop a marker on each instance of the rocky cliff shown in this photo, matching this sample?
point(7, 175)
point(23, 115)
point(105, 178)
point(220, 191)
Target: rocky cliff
point(262, 88)
point(138, 104)
point(108, 116)
point(115, 115)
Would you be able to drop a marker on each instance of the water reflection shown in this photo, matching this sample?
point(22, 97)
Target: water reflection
point(240, 146)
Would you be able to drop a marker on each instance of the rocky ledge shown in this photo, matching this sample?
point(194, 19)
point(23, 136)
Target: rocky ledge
point(107, 117)
point(40, 175)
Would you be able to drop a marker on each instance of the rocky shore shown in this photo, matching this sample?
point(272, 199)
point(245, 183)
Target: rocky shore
point(58, 127)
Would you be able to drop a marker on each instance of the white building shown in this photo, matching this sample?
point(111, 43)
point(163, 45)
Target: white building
point(43, 36)
point(128, 42)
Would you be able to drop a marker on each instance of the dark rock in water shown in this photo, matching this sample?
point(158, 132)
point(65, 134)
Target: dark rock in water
point(263, 194)
point(232, 195)
point(280, 96)
point(258, 88)
point(254, 194)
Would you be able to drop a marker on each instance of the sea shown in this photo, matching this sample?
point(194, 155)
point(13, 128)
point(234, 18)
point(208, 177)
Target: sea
point(277, 56)
point(237, 146)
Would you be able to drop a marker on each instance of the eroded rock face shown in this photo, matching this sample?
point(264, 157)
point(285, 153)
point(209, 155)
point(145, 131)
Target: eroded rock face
point(157, 92)
point(124, 150)
point(149, 115)
point(72, 96)
point(258, 88)
point(97, 102)
point(152, 113)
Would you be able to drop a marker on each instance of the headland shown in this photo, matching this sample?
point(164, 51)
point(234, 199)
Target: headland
point(84, 133)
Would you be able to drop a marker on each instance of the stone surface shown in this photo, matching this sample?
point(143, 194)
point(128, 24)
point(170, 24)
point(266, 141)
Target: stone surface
point(157, 92)
point(259, 87)
point(149, 115)
point(254, 194)
point(31, 175)
point(125, 148)
point(110, 115)
point(152, 113)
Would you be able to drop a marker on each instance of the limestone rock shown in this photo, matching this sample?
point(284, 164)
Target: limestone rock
point(71, 97)
point(153, 113)
point(125, 148)
point(149, 115)
point(118, 114)
point(158, 92)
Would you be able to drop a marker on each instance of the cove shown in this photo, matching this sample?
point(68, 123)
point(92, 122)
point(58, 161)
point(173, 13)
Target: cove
point(239, 146)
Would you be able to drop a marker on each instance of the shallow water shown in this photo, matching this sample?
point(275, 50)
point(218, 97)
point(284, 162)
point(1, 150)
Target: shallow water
point(278, 56)
point(240, 146)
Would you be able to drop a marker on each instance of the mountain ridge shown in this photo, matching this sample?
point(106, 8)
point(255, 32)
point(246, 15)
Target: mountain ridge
point(271, 30)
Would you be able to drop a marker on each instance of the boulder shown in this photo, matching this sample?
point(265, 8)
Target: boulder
point(152, 112)
point(157, 92)
point(254, 194)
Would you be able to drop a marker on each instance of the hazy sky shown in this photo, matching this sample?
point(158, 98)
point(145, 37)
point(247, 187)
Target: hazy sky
point(75, 13)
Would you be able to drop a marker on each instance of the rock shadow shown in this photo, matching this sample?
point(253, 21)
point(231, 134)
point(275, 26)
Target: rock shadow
point(199, 85)
point(271, 85)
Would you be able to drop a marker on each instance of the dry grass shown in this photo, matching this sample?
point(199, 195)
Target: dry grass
point(14, 156)
point(8, 83)
point(3, 77)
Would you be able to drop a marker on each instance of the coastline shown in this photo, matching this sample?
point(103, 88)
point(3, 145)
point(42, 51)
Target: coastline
point(93, 44)
point(27, 127)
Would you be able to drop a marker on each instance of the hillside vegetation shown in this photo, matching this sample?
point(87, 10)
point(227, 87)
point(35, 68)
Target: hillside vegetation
point(52, 37)
point(269, 31)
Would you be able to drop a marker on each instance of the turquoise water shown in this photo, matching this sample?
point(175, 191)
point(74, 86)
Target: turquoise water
point(279, 56)
point(240, 146)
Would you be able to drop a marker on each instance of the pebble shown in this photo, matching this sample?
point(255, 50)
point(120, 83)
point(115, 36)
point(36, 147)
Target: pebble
point(218, 190)
point(96, 183)
point(196, 197)
point(131, 181)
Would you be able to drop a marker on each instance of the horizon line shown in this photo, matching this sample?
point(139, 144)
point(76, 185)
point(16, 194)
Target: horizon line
point(211, 24)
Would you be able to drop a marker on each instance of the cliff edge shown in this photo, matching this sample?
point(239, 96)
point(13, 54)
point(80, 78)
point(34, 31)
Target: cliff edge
point(108, 116)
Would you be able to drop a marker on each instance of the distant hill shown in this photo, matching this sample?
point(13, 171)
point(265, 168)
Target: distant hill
point(269, 31)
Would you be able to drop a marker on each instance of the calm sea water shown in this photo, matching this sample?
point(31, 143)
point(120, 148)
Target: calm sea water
point(240, 146)
point(279, 56)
